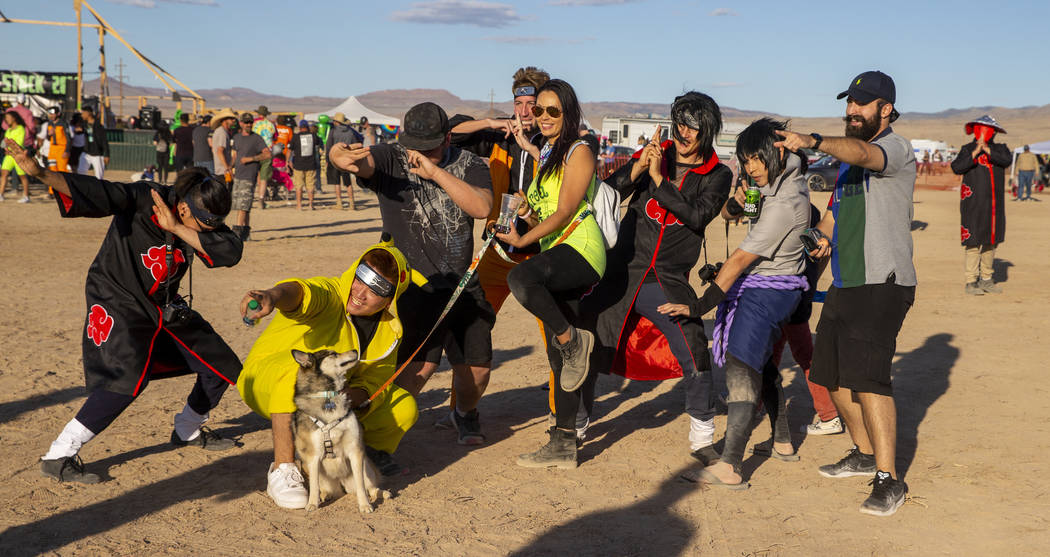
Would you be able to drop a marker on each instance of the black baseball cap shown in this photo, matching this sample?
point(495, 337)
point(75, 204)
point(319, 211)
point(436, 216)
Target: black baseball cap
point(247, 118)
point(872, 85)
point(424, 128)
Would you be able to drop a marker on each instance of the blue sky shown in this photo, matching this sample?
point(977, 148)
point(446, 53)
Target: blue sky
point(785, 57)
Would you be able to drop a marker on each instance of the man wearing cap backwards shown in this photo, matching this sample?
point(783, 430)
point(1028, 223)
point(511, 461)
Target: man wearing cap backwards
point(869, 226)
point(429, 195)
point(982, 163)
point(342, 132)
point(222, 142)
point(504, 142)
point(265, 129)
point(303, 147)
point(249, 150)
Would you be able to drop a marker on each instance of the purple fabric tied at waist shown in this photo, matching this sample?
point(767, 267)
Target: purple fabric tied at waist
point(727, 309)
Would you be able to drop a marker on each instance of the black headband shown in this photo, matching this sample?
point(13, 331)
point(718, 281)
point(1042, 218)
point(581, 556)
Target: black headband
point(206, 217)
point(525, 91)
point(374, 281)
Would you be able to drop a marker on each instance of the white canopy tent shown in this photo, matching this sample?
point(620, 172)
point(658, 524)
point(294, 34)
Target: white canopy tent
point(1041, 148)
point(354, 110)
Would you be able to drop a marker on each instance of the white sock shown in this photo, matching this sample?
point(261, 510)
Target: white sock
point(68, 443)
point(188, 423)
point(701, 433)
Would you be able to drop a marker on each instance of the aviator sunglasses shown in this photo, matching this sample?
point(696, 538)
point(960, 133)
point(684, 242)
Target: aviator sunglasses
point(552, 111)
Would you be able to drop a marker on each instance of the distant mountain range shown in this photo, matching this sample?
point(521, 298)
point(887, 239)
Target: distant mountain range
point(1025, 124)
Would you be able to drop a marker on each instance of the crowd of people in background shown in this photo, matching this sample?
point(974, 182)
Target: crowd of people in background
point(608, 300)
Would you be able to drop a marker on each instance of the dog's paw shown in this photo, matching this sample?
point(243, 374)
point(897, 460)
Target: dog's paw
point(311, 508)
point(383, 494)
point(365, 509)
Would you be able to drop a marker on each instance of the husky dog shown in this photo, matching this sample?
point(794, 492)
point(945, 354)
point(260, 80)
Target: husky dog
point(328, 438)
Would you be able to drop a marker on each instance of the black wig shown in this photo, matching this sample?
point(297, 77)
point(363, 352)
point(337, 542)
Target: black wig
point(571, 116)
point(699, 112)
point(204, 190)
point(757, 141)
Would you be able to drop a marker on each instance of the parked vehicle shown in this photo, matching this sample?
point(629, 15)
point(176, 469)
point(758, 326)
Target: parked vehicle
point(822, 174)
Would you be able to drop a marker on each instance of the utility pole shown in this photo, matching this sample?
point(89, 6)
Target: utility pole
point(120, 77)
point(103, 90)
point(80, 56)
point(492, 98)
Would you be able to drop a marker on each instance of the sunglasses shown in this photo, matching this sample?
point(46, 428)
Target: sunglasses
point(552, 111)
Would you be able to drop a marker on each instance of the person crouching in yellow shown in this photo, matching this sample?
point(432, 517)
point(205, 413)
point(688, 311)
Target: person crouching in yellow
point(355, 311)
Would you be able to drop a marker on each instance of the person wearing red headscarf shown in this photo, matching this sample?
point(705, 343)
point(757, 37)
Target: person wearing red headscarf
point(982, 164)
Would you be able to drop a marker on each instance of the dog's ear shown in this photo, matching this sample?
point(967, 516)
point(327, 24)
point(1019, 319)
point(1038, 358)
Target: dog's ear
point(302, 358)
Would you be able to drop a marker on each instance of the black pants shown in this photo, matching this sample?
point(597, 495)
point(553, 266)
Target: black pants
point(550, 285)
point(745, 385)
point(162, 166)
point(102, 407)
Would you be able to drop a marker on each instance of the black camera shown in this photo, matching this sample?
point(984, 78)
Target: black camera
point(708, 272)
point(177, 311)
point(811, 239)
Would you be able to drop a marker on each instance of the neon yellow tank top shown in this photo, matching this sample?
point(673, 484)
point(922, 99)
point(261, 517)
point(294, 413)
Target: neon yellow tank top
point(586, 238)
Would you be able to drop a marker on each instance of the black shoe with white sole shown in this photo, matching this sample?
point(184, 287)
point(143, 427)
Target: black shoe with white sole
point(855, 463)
point(207, 439)
point(887, 495)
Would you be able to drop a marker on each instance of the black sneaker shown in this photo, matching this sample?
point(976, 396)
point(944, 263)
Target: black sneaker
point(855, 463)
point(469, 427)
point(887, 495)
point(208, 439)
point(68, 469)
point(383, 462)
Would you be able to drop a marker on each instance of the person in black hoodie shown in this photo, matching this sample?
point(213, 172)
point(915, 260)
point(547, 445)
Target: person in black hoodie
point(983, 163)
point(96, 148)
point(675, 189)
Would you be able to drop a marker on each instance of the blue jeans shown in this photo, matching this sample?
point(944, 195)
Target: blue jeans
point(1024, 184)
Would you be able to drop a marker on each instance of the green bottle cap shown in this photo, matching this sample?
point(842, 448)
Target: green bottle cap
point(253, 304)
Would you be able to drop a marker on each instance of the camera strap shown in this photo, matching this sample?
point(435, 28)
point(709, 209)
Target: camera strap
point(169, 263)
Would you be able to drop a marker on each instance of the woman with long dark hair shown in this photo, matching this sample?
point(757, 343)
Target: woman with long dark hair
point(571, 260)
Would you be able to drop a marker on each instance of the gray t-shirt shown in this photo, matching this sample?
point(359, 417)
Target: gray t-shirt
point(201, 149)
point(873, 213)
point(220, 138)
point(247, 146)
point(776, 236)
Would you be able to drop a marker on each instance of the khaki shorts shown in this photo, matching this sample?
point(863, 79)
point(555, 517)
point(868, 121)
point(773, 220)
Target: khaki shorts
point(243, 194)
point(304, 179)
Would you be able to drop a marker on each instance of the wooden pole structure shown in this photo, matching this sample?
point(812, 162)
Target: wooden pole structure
point(80, 56)
point(102, 96)
point(120, 69)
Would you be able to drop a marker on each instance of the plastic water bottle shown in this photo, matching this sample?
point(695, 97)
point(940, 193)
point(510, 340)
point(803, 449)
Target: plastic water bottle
point(253, 305)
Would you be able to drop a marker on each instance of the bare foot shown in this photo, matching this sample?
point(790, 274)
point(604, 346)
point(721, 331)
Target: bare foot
point(725, 472)
point(784, 448)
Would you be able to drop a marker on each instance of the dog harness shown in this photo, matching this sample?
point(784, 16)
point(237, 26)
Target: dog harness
point(326, 428)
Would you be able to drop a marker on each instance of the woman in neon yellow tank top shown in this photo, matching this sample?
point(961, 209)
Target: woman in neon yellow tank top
point(571, 261)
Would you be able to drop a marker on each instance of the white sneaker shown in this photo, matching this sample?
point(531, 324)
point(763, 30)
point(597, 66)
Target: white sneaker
point(1, 198)
point(830, 427)
point(284, 485)
point(25, 199)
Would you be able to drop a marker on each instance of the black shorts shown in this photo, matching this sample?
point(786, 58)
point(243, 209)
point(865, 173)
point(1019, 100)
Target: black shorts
point(465, 335)
point(857, 337)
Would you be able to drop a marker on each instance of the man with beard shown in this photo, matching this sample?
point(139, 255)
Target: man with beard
point(675, 189)
point(982, 164)
point(869, 226)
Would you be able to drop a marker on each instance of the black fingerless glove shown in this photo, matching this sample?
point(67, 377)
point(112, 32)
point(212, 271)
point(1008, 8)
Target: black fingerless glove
point(733, 208)
point(711, 298)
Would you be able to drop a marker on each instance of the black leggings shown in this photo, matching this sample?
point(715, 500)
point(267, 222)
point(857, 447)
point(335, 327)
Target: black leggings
point(102, 407)
point(745, 385)
point(162, 166)
point(550, 286)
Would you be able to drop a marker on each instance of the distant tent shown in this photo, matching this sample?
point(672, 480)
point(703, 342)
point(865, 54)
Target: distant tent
point(1041, 148)
point(354, 110)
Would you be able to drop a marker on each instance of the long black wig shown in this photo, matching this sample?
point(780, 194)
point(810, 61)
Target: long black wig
point(757, 140)
point(700, 112)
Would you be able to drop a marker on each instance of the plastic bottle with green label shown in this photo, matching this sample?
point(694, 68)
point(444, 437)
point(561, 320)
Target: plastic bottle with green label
point(253, 306)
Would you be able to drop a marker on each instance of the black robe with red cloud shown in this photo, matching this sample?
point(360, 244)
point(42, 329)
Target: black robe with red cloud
point(660, 237)
point(982, 204)
point(126, 342)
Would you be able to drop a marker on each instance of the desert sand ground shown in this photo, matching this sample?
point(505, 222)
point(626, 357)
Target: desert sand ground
point(972, 432)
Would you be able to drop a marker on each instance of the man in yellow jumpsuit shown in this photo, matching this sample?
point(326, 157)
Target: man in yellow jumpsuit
point(355, 311)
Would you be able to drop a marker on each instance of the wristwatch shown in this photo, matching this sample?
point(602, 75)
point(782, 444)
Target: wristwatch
point(819, 139)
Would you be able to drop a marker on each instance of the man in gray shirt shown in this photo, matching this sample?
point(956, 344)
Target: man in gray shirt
point(757, 289)
point(869, 223)
point(222, 123)
point(249, 150)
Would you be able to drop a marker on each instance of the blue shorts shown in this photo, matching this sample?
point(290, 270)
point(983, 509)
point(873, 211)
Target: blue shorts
point(756, 324)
